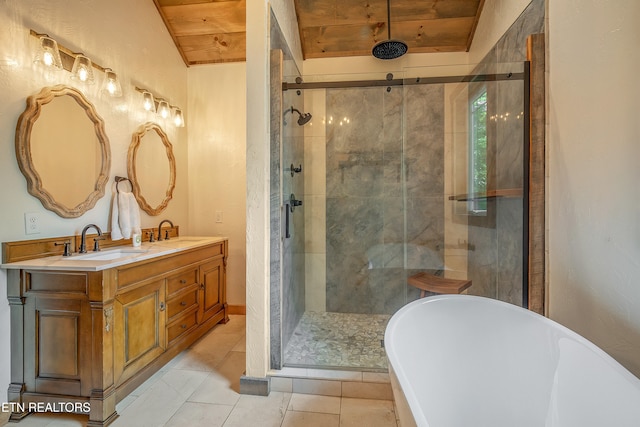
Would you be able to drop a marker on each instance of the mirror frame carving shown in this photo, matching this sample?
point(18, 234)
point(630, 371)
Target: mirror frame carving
point(136, 139)
point(25, 161)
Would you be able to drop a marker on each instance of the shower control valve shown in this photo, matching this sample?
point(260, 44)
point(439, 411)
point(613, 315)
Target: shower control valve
point(295, 169)
point(293, 202)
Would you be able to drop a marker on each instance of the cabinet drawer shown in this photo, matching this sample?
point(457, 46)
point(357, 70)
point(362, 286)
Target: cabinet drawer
point(181, 302)
point(180, 281)
point(181, 326)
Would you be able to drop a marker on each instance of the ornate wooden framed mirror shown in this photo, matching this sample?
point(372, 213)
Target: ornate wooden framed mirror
point(152, 168)
point(63, 150)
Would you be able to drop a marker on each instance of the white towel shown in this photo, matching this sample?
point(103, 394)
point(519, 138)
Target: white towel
point(125, 215)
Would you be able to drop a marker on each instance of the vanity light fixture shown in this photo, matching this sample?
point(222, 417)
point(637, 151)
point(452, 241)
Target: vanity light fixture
point(178, 117)
point(52, 54)
point(163, 108)
point(111, 84)
point(48, 53)
point(156, 104)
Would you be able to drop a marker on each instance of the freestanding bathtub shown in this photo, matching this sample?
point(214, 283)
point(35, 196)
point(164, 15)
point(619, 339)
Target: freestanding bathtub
point(466, 361)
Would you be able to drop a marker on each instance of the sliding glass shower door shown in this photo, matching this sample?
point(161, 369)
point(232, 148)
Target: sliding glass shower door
point(392, 176)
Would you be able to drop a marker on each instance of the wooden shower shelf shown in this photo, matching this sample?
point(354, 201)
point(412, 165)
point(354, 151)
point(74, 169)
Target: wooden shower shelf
point(506, 192)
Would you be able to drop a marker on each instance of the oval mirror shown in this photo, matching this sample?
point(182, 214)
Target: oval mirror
point(152, 168)
point(63, 151)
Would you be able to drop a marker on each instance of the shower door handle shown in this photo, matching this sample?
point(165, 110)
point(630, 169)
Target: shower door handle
point(287, 234)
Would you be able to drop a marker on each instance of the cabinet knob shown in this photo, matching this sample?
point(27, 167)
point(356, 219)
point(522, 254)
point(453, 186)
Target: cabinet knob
point(183, 281)
point(183, 326)
point(162, 306)
point(183, 303)
point(202, 286)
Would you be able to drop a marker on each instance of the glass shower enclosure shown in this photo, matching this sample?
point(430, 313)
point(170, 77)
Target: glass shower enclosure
point(386, 176)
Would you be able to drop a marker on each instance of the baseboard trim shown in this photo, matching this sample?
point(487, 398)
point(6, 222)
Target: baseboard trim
point(237, 309)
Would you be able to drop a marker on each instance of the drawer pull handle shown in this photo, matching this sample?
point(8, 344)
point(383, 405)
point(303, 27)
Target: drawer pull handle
point(183, 326)
point(183, 281)
point(202, 286)
point(162, 306)
point(183, 303)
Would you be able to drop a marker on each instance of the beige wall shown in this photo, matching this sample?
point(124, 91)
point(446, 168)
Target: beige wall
point(127, 36)
point(217, 151)
point(594, 152)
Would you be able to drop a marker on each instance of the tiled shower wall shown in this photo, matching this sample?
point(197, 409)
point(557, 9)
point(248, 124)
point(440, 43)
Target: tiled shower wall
point(355, 216)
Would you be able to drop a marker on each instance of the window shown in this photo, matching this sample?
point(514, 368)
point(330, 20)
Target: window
point(478, 152)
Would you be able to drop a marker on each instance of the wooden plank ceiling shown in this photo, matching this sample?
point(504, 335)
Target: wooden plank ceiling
point(210, 31)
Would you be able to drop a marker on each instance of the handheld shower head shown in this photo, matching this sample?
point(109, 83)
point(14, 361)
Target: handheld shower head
point(304, 117)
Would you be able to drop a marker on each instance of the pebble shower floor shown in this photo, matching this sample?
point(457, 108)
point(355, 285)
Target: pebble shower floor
point(338, 340)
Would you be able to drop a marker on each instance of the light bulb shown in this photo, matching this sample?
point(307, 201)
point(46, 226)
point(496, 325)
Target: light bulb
point(148, 102)
point(82, 69)
point(178, 118)
point(48, 53)
point(163, 109)
point(111, 83)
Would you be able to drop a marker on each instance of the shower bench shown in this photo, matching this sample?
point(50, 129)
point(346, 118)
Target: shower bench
point(431, 283)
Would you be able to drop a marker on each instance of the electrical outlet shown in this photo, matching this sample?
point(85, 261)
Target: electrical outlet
point(218, 216)
point(32, 223)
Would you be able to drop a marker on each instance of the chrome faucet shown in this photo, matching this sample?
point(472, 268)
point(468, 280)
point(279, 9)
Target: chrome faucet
point(83, 239)
point(166, 235)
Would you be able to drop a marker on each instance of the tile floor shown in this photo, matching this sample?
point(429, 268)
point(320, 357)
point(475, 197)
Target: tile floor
point(200, 388)
point(356, 344)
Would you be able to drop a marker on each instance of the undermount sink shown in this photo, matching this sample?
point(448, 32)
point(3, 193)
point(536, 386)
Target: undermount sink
point(109, 254)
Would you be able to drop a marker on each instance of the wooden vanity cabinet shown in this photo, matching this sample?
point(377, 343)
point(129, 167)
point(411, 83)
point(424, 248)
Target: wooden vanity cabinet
point(94, 336)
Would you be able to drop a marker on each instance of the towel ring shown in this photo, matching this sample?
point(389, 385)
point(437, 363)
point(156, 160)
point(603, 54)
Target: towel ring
point(119, 179)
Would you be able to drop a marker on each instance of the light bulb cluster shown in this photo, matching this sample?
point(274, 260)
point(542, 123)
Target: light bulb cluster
point(161, 107)
point(54, 56)
point(506, 116)
point(340, 122)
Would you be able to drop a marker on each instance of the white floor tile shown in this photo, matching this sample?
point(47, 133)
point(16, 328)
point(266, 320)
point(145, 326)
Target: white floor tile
point(153, 408)
point(310, 419)
point(263, 411)
point(366, 412)
point(313, 403)
point(184, 382)
point(215, 389)
point(200, 415)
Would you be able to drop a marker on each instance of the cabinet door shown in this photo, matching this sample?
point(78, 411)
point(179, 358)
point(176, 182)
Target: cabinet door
point(139, 322)
point(57, 345)
point(211, 289)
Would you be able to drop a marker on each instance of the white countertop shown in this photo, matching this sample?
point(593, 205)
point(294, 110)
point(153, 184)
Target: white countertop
point(114, 256)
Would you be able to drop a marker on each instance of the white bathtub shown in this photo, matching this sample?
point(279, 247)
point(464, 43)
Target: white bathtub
point(465, 361)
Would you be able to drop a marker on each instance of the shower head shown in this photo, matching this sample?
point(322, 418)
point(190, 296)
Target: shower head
point(304, 117)
point(389, 49)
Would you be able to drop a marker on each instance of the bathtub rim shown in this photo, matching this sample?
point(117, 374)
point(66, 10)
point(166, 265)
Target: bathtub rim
point(404, 382)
